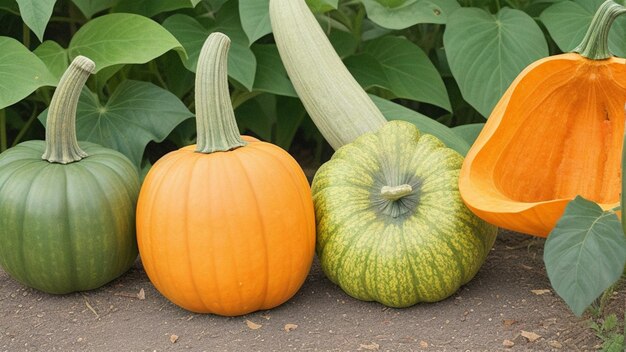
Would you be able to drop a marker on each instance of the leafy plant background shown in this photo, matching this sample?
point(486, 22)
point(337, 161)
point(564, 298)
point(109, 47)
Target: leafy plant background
point(441, 64)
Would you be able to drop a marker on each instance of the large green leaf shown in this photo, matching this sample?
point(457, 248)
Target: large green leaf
point(271, 76)
point(255, 18)
point(396, 64)
point(54, 56)
point(192, 34)
point(136, 113)
point(36, 14)
point(585, 253)
point(21, 72)
point(122, 38)
point(393, 111)
point(322, 6)
point(469, 132)
point(91, 7)
point(568, 22)
point(289, 116)
point(150, 8)
point(406, 13)
point(486, 52)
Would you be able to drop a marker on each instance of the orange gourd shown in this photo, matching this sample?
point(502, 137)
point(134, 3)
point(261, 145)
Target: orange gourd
point(225, 226)
point(556, 133)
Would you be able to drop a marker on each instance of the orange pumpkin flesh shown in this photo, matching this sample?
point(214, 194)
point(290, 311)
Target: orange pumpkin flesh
point(556, 133)
point(229, 232)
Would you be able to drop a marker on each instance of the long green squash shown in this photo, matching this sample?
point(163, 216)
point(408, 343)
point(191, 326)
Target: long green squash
point(67, 219)
point(391, 225)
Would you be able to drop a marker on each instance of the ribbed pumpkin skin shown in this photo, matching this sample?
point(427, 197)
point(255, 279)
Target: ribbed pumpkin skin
point(556, 133)
point(425, 254)
point(227, 233)
point(66, 228)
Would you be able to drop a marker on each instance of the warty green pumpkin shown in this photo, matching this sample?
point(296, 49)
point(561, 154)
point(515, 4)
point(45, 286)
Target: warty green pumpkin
point(67, 217)
point(391, 224)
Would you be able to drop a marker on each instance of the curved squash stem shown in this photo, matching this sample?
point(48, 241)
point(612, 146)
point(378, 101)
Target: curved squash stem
point(337, 104)
point(61, 143)
point(595, 44)
point(215, 118)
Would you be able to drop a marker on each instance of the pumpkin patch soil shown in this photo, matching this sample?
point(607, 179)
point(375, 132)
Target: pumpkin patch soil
point(508, 300)
point(508, 306)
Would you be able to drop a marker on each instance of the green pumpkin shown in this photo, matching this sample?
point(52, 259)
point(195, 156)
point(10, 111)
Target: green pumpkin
point(391, 224)
point(66, 220)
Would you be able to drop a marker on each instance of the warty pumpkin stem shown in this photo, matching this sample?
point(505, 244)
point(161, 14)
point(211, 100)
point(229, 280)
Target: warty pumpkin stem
point(61, 143)
point(337, 104)
point(215, 118)
point(394, 193)
point(595, 44)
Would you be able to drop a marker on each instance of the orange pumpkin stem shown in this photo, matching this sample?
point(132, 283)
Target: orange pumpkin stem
point(61, 143)
point(215, 118)
point(595, 44)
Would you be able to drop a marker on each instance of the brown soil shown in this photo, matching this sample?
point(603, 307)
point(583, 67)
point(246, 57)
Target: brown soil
point(497, 308)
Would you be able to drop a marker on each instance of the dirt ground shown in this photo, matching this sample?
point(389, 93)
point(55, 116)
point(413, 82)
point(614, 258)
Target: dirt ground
point(509, 303)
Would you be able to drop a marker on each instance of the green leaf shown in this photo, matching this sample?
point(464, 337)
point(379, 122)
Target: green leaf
point(344, 43)
point(396, 64)
point(54, 56)
point(258, 115)
point(136, 113)
point(289, 116)
point(91, 7)
point(568, 21)
point(585, 253)
point(150, 8)
point(393, 111)
point(322, 6)
point(255, 18)
point(271, 76)
point(241, 60)
point(469, 132)
point(487, 52)
point(36, 14)
point(122, 38)
point(10, 6)
point(21, 72)
point(403, 14)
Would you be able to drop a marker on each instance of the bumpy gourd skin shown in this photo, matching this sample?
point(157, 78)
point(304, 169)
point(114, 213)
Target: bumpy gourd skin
point(432, 246)
point(66, 228)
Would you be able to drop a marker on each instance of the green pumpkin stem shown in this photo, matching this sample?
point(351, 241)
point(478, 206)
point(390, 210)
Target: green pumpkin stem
point(215, 118)
point(393, 193)
point(337, 104)
point(61, 143)
point(595, 44)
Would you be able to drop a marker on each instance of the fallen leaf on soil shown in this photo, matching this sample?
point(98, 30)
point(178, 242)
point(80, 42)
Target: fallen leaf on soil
point(141, 294)
point(173, 338)
point(540, 292)
point(423, 344)
point(508, 322)
point(555, 344)
point(290, 327)
point(371, 347)
point(252, 325)
point(508, 343)
point(530, 336)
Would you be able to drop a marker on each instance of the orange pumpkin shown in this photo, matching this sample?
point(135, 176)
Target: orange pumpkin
point(225, 226)
point(556, 133)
